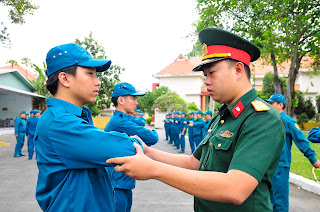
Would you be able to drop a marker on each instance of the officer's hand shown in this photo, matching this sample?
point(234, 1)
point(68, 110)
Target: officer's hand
point(139, 167)
point(145, 147)
point(16, 135)
point(316, 164)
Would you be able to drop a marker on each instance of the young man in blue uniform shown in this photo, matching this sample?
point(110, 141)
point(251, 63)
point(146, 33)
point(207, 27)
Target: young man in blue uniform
point(170, 128)
point(137, 118)
point(197, 128)
point(231, 169)
point(204, 125)
point(20, 132)
point(280, 180)
point(124, 98)
point(165, 124)
point(31, 130)
point(190, 132)
point(183, 131)
point(71, 151)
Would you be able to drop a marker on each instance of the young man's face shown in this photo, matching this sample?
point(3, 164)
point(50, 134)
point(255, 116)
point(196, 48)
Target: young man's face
point(220, 81)
point(191, 116)
point(199, 116)
point(22, 115)
point(207, 117)
point(277, 106)
point(182, 116)
point(84, 86)
point(130, 103)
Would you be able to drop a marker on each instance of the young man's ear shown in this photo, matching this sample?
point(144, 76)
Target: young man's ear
point(121, 100)
point(64, 79)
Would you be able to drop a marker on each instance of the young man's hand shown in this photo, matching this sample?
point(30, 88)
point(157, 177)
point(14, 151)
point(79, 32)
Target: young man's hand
point(316, 164)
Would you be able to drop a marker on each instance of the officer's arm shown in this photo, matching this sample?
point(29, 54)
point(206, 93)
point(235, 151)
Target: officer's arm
point(232, 187)
point(183, 161)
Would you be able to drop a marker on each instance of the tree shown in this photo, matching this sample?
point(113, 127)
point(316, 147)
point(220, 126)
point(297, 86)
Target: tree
point(285, 30)
point(17, 10)
point(40, 85)
point(318, 103)
point(268, 85)
point(12, 62)
point(170, 102)
point(304, 106)
point(303, 118)
point(107, 78)
point(147, 101)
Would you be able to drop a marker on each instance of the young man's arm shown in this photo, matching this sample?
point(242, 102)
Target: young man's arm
point(314, 135)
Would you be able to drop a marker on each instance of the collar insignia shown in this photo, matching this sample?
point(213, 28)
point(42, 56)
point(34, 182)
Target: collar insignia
point(237, 110)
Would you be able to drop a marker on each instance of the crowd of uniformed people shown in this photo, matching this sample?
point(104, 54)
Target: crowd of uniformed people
point(176, 127)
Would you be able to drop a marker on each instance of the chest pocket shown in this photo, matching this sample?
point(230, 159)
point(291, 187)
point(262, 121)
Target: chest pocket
point(217, 154)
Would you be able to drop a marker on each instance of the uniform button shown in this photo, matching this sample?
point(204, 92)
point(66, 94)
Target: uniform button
point(210, 144)
point(222, 121)
point(202, 167)
point(219, 145)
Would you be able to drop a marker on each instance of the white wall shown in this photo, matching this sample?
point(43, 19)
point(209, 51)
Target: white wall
point(15, 104)
point(158, 119)
point(187, 87)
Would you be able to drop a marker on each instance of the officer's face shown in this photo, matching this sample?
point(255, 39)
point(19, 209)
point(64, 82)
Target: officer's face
point(221, 82)
point(130, 104)
point(84, 86)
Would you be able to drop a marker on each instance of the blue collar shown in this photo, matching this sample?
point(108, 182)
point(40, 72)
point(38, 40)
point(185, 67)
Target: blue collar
point(68, 107)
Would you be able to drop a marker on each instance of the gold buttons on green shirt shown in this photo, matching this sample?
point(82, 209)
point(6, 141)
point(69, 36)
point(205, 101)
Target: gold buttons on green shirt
point(222, 121)
point(210, 144)
point(219, 145)
point(202, 167)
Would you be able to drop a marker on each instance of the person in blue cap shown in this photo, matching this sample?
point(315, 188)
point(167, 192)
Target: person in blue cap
point(31, 130)
point(124, 98)
point(176, 129)
point(165, 124)
point(204, 125)
point(137, 118)
point(71, 151)
point(232, 167)
point(190, 131)
point(170, 125)
point(314, 135)
point(183, 131)
point(197, 125)
point(20, 132)
point(280, 180)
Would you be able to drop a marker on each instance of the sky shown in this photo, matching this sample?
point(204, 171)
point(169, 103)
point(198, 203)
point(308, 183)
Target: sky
point(141, 36)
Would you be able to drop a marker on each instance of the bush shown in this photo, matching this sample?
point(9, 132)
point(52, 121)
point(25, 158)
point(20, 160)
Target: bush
point(304, 106)
point(303, 118)
point(148, 120)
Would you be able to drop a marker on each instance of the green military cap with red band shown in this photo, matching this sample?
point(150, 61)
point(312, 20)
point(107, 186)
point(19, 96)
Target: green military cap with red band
point(219, 44)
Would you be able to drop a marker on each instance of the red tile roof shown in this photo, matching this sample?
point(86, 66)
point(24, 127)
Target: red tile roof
point(180, 66)
point(24, 72)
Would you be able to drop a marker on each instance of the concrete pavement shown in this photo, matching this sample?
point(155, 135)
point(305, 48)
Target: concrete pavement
point(18, 178)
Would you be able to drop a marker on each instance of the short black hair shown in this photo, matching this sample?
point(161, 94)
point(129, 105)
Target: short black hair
point(114, 100)
point(52, 81)
point(231, 62)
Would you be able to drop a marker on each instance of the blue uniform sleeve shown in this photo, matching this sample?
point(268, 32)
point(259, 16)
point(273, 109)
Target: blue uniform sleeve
point(149, 137)
point(16, 126)
point(27, 127)
point(199, 124)
point(79, 145)
point(314, 135)
point(301, 141)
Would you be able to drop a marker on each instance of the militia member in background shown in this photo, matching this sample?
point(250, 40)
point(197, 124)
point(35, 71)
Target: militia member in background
point(31, 130)
point(20, 132)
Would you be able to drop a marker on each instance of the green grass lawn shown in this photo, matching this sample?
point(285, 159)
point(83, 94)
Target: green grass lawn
point(300, 165)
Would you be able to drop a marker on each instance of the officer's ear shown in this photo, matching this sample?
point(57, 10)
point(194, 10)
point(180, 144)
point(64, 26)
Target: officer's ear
point(240, 70)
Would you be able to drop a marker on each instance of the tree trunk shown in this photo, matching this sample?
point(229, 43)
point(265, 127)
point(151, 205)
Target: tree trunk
point(294, 70)
point(276, 81)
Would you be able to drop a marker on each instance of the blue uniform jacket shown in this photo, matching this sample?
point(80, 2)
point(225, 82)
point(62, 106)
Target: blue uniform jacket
point(191, 128)
point(314, 135)
point(294, 133)
point(182, 125)
point(31, 126)
point(71, 158)
point(198, 124)
point(121, 122)
point(19, 126)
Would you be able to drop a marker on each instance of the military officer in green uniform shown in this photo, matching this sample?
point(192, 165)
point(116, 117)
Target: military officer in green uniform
point(231, 169)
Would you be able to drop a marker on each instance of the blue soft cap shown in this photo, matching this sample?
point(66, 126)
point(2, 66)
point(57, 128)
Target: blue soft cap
point(276, 98)
point(71, 54)
point(124, 89)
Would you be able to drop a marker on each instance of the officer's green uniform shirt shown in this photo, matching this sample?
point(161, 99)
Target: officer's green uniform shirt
point(241, 138)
